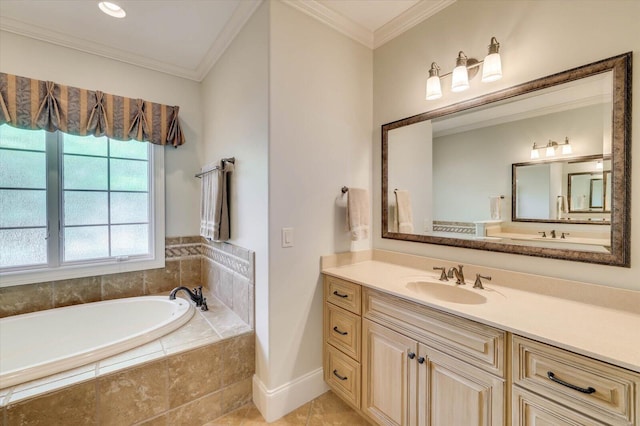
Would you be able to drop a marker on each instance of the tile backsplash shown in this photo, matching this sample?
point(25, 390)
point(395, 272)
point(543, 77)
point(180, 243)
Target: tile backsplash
point(227, 272)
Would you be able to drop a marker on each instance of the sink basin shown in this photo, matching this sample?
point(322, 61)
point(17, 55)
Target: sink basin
point(447, 292)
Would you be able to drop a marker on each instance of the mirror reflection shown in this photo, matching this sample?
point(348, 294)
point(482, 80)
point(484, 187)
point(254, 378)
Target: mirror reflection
point(512, 169)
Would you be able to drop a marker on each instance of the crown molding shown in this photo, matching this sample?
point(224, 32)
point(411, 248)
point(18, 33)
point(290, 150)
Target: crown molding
point(407, 20)
point(334, 20)
point(239, 18)
point(232, 28)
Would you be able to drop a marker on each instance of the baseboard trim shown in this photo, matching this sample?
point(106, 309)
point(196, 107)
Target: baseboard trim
point(282, 400)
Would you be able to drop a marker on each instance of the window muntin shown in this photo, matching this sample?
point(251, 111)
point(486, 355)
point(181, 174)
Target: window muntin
point(101, 193)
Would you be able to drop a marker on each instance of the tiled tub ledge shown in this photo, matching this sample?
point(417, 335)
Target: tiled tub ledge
point(193, 375)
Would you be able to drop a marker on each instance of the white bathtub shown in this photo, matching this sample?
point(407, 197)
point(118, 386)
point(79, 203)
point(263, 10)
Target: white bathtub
point(47, 342)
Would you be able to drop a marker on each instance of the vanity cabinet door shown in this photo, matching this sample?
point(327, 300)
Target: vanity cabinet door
point(389, 375)
point(452, 392)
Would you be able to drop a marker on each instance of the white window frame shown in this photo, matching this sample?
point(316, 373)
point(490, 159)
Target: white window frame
point(89, 268)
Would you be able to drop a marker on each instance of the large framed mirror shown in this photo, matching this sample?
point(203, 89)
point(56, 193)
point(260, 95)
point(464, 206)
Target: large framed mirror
point(540, 169)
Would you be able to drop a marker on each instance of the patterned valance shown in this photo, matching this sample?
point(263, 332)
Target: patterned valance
point(35, 104)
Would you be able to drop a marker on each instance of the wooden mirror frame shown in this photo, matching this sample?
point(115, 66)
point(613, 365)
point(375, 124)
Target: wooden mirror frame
point(619, 254)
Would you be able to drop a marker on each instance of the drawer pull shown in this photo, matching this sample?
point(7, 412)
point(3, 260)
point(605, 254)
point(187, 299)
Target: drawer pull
point(342, 333)
point(411, 355)
point(335, 373)
point(553, 378)
point(421, 360)
point(344, 296)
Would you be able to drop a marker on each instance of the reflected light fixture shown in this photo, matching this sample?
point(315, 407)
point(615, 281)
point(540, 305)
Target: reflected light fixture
point(550, 149)
point(466, 68)
point(434, 90)
point(112, 9)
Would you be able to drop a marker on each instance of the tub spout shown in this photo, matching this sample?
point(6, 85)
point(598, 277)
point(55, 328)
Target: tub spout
point(195, 295)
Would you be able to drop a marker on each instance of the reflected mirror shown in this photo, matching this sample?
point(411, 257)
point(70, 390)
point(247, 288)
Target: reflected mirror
point(540, 169)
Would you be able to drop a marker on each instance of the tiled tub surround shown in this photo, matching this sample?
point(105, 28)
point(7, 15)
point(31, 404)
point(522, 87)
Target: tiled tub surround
point(191, 376)
point(185, 264)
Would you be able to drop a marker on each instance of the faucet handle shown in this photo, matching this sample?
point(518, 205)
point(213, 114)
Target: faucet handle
point(564, 234)
point(443, 274)
point(478, 282)
point(544, 234)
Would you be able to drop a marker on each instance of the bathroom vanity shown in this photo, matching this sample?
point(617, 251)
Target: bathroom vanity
point(405, 348)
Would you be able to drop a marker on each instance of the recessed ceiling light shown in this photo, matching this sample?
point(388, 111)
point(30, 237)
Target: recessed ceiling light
point(112, 9)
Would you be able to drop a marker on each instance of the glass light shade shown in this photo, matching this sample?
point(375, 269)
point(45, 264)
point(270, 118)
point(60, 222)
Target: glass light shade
point(551, 152)
point(459, 79)
point(566, 148)
point(535, 154)
point(112, 9)
point(492, 68)
point(434, 90)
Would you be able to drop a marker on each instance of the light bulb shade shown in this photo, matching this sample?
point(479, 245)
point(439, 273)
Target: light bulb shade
point(491, 68)
point(535, 154)
point(551, 152)
point(459, 79)
point(434, 90)
point(566, 148)
point(112, 9)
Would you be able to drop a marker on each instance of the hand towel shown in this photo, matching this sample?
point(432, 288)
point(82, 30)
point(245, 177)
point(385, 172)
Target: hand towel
point(358, 213)
point(404, 213)
point(495, 207)
point(214, 203)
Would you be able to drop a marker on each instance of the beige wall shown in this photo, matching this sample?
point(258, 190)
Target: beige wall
point(235, 98)
point(36, 59)
point(537, 38)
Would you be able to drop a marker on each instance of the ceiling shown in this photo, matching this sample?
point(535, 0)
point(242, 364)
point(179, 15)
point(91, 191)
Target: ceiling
point(186, 37)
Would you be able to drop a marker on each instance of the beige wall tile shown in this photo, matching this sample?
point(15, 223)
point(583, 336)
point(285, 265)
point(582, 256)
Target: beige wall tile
point(194, 374)
point(191, 240)
point(240, 297)
point(76, 291)
point(71, 406)
point(162, 279)
point(197, 412)
point(133, 395)
point(225, 287)
point(162, 420)
point(239, 358)
point(22, 299)
point(126, 284)
point(172, 241)
point(236, 395)
point(190, 274)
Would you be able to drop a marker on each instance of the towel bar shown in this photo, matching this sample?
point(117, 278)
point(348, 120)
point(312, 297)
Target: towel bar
point(344, 189)
point(231, 160)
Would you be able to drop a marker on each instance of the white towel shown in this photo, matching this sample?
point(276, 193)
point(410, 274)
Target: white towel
point(404, 214)
point(214, 203)
point(358, 213)
point(495, 207)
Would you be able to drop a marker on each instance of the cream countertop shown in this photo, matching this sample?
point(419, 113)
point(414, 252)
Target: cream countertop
point(597, 330)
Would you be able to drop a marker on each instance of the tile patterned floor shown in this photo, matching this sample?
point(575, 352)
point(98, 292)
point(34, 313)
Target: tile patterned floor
point(326, 410)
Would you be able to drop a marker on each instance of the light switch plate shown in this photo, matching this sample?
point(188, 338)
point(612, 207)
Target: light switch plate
point(287, 237)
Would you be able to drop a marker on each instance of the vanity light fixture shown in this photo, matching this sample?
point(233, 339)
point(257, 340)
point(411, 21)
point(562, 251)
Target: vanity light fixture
point(112, 9)
point(466, 68)
point(550, 149)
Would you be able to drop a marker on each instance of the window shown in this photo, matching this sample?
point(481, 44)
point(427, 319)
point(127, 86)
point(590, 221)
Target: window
point(71, 204)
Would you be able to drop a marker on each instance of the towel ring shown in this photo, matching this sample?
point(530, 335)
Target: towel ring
point(344, 189)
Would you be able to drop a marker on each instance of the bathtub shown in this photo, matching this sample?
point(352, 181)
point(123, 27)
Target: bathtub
point(47, 342)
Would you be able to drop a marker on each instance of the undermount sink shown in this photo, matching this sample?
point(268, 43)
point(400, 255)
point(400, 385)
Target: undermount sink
point(447, 292)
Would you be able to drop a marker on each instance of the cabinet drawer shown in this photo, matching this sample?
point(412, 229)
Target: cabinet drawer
point(343, 375)
point(594, 388)
point(342, 293)
point(343, 330)
point(476, 343)
point(530, 409)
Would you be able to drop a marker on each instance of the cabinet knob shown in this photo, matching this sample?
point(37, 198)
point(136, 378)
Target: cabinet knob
point(421, 360)
point(411, 355)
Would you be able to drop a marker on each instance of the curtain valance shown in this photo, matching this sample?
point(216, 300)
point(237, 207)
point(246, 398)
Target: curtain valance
point(35, 104)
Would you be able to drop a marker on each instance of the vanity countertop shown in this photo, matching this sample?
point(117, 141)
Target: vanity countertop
point(598, 331)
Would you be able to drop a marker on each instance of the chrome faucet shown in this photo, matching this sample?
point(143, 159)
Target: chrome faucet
point(458, 274)
point(195, 295)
